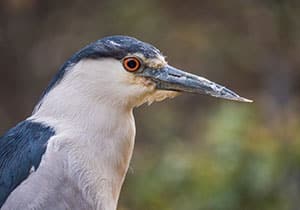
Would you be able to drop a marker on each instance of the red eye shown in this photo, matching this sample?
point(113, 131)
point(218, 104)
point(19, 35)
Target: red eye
point(131, 64)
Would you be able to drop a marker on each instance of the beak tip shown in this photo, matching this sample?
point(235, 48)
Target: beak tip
point(241, 99)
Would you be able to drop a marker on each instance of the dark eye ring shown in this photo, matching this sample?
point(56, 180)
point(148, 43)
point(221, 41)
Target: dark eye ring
point(131, 64)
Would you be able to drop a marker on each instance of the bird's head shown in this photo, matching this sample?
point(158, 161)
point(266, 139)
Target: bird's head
point(131, 72)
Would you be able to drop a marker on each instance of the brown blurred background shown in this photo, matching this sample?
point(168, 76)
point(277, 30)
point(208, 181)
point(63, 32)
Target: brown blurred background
point(193, 152)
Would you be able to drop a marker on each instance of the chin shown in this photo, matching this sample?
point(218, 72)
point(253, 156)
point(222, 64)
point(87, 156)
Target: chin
point(155, 96)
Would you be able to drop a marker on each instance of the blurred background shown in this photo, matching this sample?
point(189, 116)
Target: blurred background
point(192, 152)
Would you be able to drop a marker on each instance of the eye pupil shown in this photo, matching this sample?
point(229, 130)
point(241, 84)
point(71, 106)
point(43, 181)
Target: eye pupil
point(132, 64)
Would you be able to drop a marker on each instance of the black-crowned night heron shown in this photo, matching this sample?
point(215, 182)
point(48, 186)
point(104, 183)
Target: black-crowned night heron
point(74, 150)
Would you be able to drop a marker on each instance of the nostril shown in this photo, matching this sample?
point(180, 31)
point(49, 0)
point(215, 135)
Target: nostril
point(175, 75)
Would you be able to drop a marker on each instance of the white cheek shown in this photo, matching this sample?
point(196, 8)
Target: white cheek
point(106, 81)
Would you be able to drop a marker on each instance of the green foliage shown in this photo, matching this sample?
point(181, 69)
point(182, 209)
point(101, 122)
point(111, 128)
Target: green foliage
point(238, 163)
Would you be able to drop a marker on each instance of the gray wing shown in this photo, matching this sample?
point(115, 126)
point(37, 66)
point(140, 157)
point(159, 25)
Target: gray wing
point(21, 148)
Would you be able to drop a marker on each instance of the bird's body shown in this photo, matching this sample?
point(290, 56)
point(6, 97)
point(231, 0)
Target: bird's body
point(79, 166)
point(73, 152)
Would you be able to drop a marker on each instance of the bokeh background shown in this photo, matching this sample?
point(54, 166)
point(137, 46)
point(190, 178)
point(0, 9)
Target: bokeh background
point(192, 152)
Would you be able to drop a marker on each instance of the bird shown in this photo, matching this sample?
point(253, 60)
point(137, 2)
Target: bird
point(74, 150)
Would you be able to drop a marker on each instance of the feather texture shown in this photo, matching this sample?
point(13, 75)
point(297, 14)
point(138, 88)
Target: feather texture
point(21, 151)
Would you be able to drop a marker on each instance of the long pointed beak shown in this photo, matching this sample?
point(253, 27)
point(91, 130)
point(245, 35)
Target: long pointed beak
point(170, 78)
